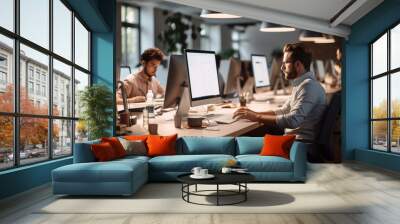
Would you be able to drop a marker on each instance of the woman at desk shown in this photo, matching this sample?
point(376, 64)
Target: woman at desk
point(301, 114)
point(137, 85)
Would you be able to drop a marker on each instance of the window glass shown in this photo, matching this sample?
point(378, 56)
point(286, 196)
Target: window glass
point(130, 46)
point(6, 74)
point(395, 95)
point(39, 61)
point(395, 136)
point(379, 98)
point(62, 141)
point(81, 131)
point(62, 91)
point(81, 45)
point(34, 142)
point(379, 135)
point(132, 15)
point(379, 56)
point(34, 21)
point(7, 14)
point(6, 142)
point(81, 81)
point(395, 47)
point(62, 29)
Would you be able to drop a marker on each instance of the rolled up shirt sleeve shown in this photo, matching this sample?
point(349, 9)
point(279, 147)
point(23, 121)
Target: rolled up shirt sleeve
point(303, 104)
point(284, 109)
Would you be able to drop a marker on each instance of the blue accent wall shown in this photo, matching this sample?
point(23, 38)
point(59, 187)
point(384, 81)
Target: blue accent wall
point(99, 16)
point(356, 85)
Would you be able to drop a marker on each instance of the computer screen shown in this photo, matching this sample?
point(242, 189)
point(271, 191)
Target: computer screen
point(234, 71)
point(203, 77)
point(260, 70)
point(124, 72)
point(176, 80)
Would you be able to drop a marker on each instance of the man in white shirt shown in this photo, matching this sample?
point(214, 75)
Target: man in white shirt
point(301, 114)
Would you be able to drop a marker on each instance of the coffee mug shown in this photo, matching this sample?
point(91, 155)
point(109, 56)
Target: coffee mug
point(153, 128)
point(196, 171)
point(226, 170)
point(203, 172)
point(195, 122)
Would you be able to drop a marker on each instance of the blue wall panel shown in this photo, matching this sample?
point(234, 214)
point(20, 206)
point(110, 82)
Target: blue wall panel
point(356, 85)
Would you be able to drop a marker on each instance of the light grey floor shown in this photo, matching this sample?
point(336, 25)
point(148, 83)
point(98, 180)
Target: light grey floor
point(377, 188)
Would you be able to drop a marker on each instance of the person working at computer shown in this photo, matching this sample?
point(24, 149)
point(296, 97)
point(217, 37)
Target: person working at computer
point(137, 85)
point(301, 114)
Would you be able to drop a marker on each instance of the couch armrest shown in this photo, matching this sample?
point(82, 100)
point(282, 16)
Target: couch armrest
point(298, 155)
point(83, 152)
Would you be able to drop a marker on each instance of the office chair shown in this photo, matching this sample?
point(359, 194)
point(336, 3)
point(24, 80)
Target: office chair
point(323, 149)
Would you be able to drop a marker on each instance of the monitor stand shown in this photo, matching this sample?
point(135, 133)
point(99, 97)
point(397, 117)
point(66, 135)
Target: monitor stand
point(183, 107)
point(280, 82)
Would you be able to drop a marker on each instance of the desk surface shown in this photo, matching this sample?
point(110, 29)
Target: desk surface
point(166, 123)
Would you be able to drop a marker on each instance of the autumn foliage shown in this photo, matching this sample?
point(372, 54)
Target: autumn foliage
point(33, 131)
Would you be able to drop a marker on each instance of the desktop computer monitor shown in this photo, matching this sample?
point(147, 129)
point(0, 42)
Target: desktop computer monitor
point(260, 71)
point(233, 76)
point(202, 77)
point(176, 80)
point(124, 72)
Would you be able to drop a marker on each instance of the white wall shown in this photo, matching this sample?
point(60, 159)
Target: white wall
point(256, 42)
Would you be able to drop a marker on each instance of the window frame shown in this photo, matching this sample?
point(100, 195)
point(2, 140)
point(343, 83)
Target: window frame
point(388, 74)
point(16, 114)
point(125, 25)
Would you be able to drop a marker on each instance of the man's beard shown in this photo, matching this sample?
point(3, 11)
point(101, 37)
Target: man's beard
point(148, 75)
point(290, 75)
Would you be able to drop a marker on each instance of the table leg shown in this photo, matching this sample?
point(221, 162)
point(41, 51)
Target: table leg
point(217, 194)
point(196, 188)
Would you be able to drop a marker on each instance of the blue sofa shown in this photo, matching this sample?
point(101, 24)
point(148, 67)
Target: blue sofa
point(125, 176)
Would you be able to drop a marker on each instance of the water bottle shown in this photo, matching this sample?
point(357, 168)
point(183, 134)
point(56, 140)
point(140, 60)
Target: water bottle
point(149, 103)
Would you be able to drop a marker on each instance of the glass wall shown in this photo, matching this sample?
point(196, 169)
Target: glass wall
point(385, 94)
point(39, 86)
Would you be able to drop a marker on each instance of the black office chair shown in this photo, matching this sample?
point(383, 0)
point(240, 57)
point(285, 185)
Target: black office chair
point(323, 149)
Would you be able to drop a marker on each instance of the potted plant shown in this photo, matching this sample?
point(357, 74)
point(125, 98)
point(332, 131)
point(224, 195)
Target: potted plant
point(96, 102)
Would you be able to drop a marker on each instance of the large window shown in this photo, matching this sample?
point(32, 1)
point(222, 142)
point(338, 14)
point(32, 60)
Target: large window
point(385, 93)
point(44, 64)
point(130, 36)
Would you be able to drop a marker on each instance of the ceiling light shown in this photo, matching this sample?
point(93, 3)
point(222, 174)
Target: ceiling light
point(311, 36)
point(329, 39)
point(272, 27)
point(216, 15)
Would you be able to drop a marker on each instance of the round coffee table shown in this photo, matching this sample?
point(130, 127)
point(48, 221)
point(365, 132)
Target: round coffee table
point(238, 179)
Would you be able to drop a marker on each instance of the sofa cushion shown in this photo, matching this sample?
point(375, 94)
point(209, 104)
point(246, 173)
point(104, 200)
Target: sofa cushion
point(277, 145)
point(116, 145)
point(103, 152)
point(206, 145)
point(257, 163)
point(134, 147)
point(249, 145)
point(185, 163)
point(112, 171)
point(161, 145)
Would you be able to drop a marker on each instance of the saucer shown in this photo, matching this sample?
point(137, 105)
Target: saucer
point(208, 176)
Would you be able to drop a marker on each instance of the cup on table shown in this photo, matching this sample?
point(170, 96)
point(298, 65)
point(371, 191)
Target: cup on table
point(226, 170)
point(242, 100)
point(203, 172)
point(196, 171)
point(153, 128)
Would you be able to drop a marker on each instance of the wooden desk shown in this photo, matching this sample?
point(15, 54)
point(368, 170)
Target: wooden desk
point(166, 123)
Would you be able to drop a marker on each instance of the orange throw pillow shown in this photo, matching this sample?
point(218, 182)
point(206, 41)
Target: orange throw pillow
point(161, 145)
point(135, 137)
point(103, 151)
point(116, 145)
point(277, 145)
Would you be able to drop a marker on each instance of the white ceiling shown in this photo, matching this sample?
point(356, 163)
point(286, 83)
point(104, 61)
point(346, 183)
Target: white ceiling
point(320, 9)
point(313, 15)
